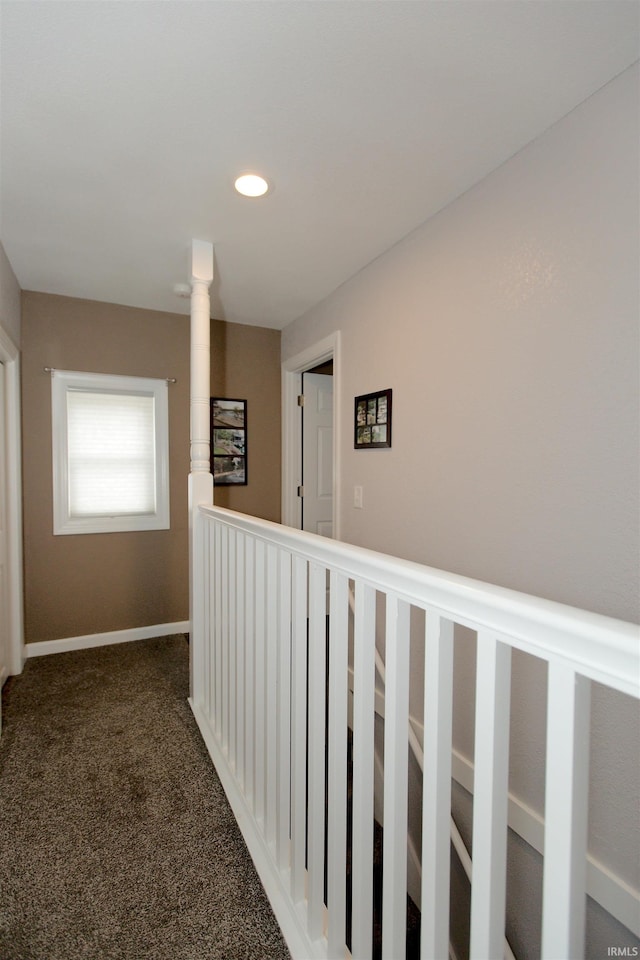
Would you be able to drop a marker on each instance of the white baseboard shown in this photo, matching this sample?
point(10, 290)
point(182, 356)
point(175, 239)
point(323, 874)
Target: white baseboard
point(43, 647)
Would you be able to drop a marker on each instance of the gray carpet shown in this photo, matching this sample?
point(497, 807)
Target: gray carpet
point(116, 839)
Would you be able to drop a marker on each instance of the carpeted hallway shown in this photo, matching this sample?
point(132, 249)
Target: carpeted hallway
point(116, 839)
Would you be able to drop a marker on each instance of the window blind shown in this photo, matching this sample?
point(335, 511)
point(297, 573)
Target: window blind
point(111, 454)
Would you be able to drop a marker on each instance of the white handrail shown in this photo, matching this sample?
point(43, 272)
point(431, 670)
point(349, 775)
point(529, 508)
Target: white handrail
point(602, 648)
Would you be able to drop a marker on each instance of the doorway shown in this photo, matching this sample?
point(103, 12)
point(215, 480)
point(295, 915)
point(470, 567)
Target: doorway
point(310, 482)
point(4, 605)
point(11, 600)
point(317, 450)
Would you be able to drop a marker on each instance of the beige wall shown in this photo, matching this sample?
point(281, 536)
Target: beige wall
point(245, 365)
point(9, 299)
point(76, 585)
point(507, 327)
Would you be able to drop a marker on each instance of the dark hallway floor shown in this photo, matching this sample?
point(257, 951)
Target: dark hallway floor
point(116, 839)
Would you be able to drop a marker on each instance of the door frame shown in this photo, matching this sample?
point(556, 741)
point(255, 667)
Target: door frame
point(292, 370)
point(10, 357)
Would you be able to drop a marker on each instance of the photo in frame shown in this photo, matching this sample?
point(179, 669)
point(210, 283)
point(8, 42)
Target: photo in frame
point(372, 420)
point(228, 419)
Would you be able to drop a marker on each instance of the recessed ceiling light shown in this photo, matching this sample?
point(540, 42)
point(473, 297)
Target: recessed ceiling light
point(251, 185)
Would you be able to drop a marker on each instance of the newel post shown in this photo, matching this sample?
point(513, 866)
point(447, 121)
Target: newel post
point(200, 478)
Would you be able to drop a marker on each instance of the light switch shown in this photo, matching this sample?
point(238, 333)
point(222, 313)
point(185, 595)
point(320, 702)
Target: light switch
point(357, 497)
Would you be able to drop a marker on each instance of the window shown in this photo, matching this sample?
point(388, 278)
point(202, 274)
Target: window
point(110, 453)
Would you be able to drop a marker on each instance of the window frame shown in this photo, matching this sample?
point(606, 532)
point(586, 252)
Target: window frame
point(64, 381)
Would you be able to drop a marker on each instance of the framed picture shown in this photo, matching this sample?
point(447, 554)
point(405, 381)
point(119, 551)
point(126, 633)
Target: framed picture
point(228, 442)
point(372, 420)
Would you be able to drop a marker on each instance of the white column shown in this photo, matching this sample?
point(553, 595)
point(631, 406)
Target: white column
point(201, 277)
point(200, 478)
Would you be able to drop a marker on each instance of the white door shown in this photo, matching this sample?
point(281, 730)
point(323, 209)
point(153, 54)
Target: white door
point(317, 454)
point(4, 593)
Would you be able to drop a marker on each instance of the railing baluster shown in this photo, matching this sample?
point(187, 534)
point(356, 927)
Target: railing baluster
point(271, 757)
point(250, 660)
point(566, 813)
point(284, 711)
point(436, 787)
point(240, 659)
point(337, 767)
point(490, 802)
point(299, 729)
point(232, 645)
point(208, 574)
point(260, 715)
point(217, 665)
point(396, 752)
point(205, 656)
point(224, 620)
point(364, 678)
point(317, 697)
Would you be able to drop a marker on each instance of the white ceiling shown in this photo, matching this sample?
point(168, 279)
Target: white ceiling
point(123, 125)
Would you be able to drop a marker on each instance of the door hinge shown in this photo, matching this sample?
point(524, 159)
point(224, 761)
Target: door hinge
point(301, 491)
point(301, 400)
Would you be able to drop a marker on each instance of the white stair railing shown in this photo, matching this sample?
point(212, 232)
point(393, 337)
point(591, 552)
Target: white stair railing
point(440, 688)
point(434, 809)
point(272, 710)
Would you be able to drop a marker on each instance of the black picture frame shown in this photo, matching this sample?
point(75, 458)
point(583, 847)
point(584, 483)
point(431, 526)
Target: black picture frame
point(228, 427)
point(372, 420)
